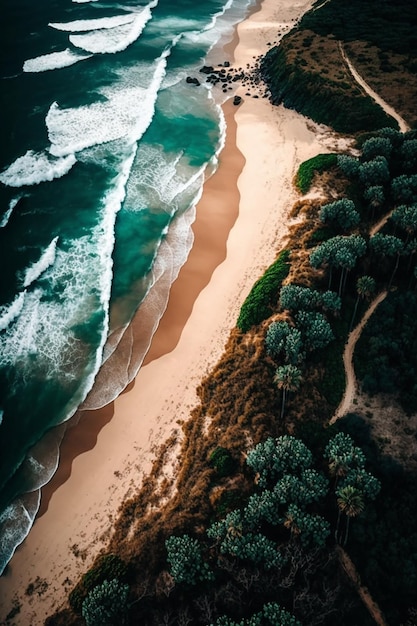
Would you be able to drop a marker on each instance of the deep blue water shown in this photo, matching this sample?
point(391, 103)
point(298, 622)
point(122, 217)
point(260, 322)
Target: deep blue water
point(103, 154)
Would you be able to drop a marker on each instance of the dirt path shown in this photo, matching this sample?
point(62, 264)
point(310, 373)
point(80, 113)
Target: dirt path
point(377, 227)
point(366, 597)
point(404, 127)
point(350, 389)
point(342, 409)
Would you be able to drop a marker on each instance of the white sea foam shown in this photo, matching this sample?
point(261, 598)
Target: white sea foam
point(9, 312)
point(1, 416)
point(77, 279)
point(112, 40)
point(36, 167)
point(5, 219)
point(15, 522)
point(127, 112)
point(38, 268)
point(53, 61)
point(93, 24)
point(83, 1)
point(158, 180)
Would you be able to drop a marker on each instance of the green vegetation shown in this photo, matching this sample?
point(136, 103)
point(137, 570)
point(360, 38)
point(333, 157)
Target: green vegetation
point(271, 614)
point(307, 71)
point(386, 354)
point(106, 603)
point(186, 561)
point(263, 296)
point(107, 567)
point(267, 493)
point(307, 170)
point(223, 462)
point(333, 99)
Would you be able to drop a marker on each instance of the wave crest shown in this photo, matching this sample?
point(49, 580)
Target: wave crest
point(36, 167)
point(46, 260)
point(10, 312)
point(53, 61)
point(112, 40)
point(93, 24)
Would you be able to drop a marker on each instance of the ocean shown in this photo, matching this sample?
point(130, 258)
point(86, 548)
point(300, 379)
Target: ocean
point(104, 151)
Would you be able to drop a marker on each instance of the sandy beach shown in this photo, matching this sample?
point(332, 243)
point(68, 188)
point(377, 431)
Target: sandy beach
point(241, 224)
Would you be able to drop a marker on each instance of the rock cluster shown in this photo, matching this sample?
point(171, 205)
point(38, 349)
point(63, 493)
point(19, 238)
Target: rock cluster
point(228, 78)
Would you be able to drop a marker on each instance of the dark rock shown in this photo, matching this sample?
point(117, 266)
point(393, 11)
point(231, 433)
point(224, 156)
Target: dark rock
point(226, 64)
point(207, 69)
point(192, 81)
point(237, 100)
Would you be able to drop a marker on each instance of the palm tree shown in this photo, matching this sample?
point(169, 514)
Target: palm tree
point(350, 502)
point(365, 288)
point(288, 378)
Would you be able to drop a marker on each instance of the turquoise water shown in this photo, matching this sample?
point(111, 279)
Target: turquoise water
point(104, 152)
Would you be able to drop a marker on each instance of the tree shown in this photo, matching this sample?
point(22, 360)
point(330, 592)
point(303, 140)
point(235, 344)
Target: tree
point(365, 288)
point(331, 302)
point(408, 155)
point(358, 477)
point(283, 338)
point(341, 455)
point(406, 218)
point(238, 535)
point(253, 547)
point(311, 530)
point(387, 246)
point(341, 213)
point(288, 378)
point(404, 188)
point(375, 195)
point(315, 330)
point(271, 614)
point(341, 251)
point(273, 458)
point(349, 165)
point(106, 604)
point(374, 172)
point(350, 502)
point(296, 297)
point(186, 561)
point(376, 146)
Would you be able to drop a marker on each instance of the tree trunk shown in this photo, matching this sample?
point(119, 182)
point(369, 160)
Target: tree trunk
point(347, 530)
point(354, 313)
point(340, 282)
point(393, 273)
point(336, 532)
point(283, 402)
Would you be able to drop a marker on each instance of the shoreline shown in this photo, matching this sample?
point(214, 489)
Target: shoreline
point(270, 142)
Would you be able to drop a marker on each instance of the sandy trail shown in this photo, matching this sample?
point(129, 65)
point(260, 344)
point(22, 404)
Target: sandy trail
point(363, 592)
point(353, 338)
point(404, 127)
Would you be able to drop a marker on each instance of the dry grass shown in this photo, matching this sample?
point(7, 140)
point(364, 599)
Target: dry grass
point(393, 430)
point(393, 78)
point(321, 55)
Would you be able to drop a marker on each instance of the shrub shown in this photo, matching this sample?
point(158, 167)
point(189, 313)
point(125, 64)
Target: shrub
point(109, 567)
point(307, 170)
point(223, 462)
point(264, 294)
point(106, 604)
point(186, 560)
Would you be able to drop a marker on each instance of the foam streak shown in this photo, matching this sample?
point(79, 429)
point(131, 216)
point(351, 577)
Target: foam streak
point(53, 61)
point(38, 268)
point(36, 167)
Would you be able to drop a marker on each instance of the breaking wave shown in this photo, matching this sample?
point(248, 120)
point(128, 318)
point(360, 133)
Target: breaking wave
point(36, 167)
point(54, 61)
point(112, 40)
